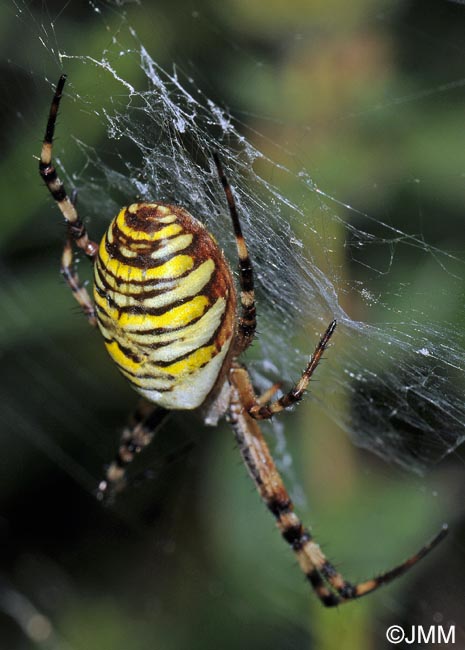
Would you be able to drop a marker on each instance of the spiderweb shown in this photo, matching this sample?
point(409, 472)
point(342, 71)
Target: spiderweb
point(399, 369)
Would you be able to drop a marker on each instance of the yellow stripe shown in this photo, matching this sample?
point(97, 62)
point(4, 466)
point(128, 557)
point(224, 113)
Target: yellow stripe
point(206, 325)
point(124, 288)
point(179, 342)
point(190, 285)
point(176, 317)
point(183, 341)
point(194, 361)
point(163, 233)
point(173, 268)
point(118, 355)
point(184, 367)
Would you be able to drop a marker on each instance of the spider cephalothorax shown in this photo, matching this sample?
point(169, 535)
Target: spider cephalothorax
point(166, 305)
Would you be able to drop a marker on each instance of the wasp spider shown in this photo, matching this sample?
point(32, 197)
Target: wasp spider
point(166, 305)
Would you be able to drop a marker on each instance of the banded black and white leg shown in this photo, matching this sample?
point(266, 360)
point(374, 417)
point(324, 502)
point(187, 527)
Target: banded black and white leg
point(76, 231)
point(328, 583)
point(139, 433)
point(260, 410)
point(248, 317)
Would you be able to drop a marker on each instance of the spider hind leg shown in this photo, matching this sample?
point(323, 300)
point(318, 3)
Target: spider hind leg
point(329, 585)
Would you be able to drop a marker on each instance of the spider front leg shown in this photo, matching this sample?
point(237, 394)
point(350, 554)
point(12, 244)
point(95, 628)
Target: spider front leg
point(76, 230)
point(329, 585)
point(261, 411)
point(248, 318)
point(135, 437)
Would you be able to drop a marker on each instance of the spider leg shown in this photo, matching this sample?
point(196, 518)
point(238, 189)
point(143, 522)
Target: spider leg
point(135, 437)
point(260, 411)
point(72, 280)
point(247, 320)
point(77, 230)
point(329, 585)
point(268, 393)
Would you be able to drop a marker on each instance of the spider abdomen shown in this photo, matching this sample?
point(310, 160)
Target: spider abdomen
point(165, 302)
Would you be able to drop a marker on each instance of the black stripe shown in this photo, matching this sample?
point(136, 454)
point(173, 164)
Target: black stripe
point(142, 263)
point(54, 110)
point(76, 229)
point(140, 310)
point(138, 388)
point(279, 507)
point(249, 314)
point(348, 591)
point(145, 375)
point(164, 364)
point(246, 279)
point(154, 331)
point(127, 353)
point(329, 571)
point(50, 176)
point(127, 238)
point(296, 536)
point(329, 599)
point(59, 194)
point(47, 171)
point(70, 279)
point(246, 330)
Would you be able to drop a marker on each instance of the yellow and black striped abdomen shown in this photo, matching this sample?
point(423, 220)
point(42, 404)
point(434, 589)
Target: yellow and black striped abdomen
point(165, 302)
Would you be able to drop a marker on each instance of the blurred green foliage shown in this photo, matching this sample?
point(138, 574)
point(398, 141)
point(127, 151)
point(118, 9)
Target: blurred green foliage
point(363, 95)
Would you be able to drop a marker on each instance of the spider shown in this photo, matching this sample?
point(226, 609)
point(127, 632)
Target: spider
point(166, 305)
